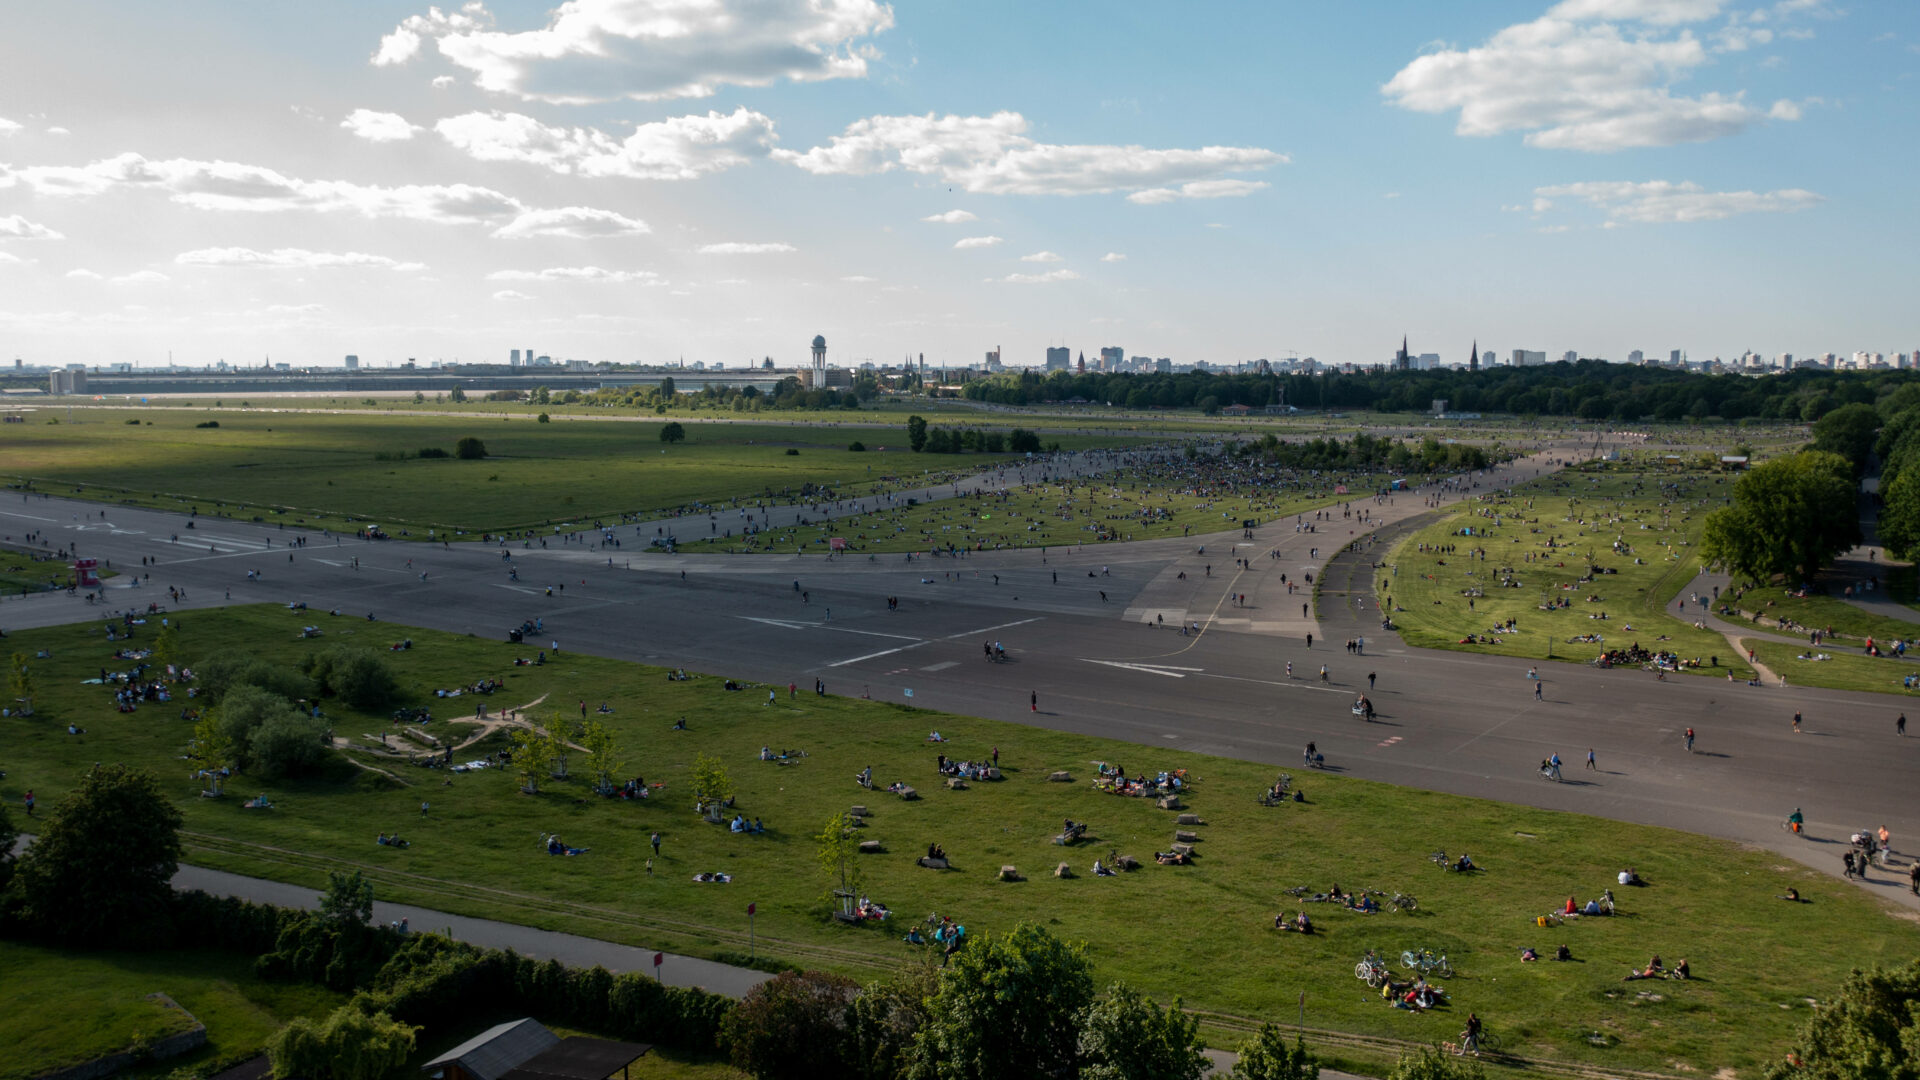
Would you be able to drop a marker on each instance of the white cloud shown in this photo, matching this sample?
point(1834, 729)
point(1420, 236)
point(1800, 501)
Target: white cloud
point(994, 155)
point(1784, 110)
point(1574, 84)
point(84, 275)
point(977, 242)
point(226, 185)
point(290, 259)
point(379, 126)
point(678, 148)
point(59, 131)
point(1113, 256)
point(577, 273)
point(607, 50)
point(859, 279)
point(141, 277)
point(295, 309)
point(1198, 189)
point(951, 217)
point(511, 296)
point(736, 248)
point(441, 82)
point(1041, 257)
point(8, 127)
point(572, 222)
point(1041, 279)
point(1663, 201)
point(15, 227)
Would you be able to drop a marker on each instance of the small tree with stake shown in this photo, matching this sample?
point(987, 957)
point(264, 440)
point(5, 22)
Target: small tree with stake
point(211, 749)
point(20, 683)
point(602, 755)
point(711, 784)
point(532, 755)
point(839, 854)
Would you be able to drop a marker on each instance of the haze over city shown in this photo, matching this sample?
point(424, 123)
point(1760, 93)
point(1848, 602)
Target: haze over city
point(388, 180)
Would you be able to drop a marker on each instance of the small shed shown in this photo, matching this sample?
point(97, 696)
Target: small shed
point(1736, 462)
point(526, 1050)
point(578, 1057)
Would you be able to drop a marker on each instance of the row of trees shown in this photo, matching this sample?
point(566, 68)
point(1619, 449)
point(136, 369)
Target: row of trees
point(1587, 390)
point(936, 440)
point(1366, 452)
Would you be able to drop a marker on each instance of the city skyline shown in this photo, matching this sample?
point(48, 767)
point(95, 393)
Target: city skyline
point(396, 180)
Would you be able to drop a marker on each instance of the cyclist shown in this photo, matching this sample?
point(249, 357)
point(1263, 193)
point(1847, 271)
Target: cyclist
point(1470, 1038)
point(1795, 821)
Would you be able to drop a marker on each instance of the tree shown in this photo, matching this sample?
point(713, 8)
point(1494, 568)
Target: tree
point(100, 874)
point(603, 755)
point(667, 390)
point(1266, 1056)
point(418, 398)
point(457, 396)
point(882, 1021)
point(1849, 431)
point(1006, 1009)
point(211, 749)
point(359, 677)
point(1022, 441)
point(544, 418)
point(8, 837)
point(839, 856)
point(287, 742)
point(916, 433)
point(711, 784)
point(532, 757)
point(1789, 516)
point(791, 1027)
point(559, 749)
point(1431, 1063)
point(1127, 1036)
point(349, 898)
point(672, 432)
point(166, 644)
point(469, 449)
point(1899, 525)
point(20, 684)
point(1870, 1032)
point(348, 1045)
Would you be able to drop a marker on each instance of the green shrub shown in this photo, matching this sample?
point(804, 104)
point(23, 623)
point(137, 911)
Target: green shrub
point(219, 676)
point(431, 452)
point(791, 1026)
point(208, 423)
point(469, 449)
point(857, 446)
point(359, 677)
point(348, 1045)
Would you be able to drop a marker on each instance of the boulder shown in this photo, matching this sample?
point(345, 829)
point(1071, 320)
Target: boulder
point(1169, 802)
point(956, 784)
point(1062, 777)
point(870, 847)
point(1187, 819)
point(1008, 873)
point(933, 864)
point(908, 794)
point(1186, 837)
point(1063, 871)
point(1127, 862)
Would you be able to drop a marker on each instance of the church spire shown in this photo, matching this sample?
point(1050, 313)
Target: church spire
point(1473, 358)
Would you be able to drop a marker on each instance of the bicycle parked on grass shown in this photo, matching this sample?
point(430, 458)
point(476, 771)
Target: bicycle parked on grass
point(1372, 970)
point(1427, 962)
point(1403, 902)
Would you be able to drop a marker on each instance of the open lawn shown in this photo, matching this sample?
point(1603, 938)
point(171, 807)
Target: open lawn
point(1779, 610)
point(1565, 567)
point(1203, 931)
point(1168, 498)
point(343, 471)
point(73, 1007)
point(1837, 671)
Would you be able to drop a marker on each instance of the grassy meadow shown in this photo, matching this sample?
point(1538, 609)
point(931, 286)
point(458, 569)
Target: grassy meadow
point(1531, 547)
point(1203, 932)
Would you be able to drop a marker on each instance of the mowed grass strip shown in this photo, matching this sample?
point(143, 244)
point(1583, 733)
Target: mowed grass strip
point(1203, 932)
point(321, 469)
point(1540, 536)
point(74, 1007)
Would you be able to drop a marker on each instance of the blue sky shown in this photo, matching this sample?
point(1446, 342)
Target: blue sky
point(722, 179)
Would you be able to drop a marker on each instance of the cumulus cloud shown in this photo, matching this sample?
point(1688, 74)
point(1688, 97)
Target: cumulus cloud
point(977, 242)
point(951, 217)
point(994, 155)
point(8, 127)
point(1198, 189)
point(1041, 257)
point(858, 279)
point(140, 277)
point(82, 274)
point(226, 185)
point(578, 273)
point(15, 227)
point(679, 148)
point(1576, 80)
point(1041, 279)
point(571, 222)
point(1663, 201)
point(608, 50)
point(291, 259)
point(736, 248)
point(511, 296)
point(1113, 256)
point(379, 126)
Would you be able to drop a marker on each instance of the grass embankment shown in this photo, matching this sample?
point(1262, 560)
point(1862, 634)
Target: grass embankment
point(73, 1007)
point(1534, 546)
point(326, 471)
point(1203, 931)
point(1141, 503)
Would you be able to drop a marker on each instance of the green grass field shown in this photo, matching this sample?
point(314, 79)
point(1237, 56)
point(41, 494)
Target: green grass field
point(1531, 549)
point(1139, 503)
point(73, 1007)
point(322, 470)
point(1203, 932)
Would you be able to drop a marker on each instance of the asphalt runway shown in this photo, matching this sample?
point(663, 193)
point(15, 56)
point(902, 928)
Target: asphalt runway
point(1116, 667)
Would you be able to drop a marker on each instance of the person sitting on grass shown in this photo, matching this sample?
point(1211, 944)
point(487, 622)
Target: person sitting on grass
point(556, 847)
point(914, 937)
point(1653, 970)
point(1528, 956)
point(1100, 870)
point(1681, 970)
point(739, 823)
point(935, 851)
point(1465, 864)
point(1793, 894)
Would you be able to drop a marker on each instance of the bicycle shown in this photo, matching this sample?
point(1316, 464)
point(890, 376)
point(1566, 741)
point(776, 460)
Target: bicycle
point(1486, 1041)
point(1403, 902)
point(1792, 826)
point(1438, 857)
point(1426, 963)
point(1371, 970)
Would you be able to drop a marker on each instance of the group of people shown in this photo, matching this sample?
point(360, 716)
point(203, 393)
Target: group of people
point(740, 824)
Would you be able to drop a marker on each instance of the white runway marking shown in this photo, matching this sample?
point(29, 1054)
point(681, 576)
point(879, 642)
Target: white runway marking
point(1151, 669)
point(949, 637)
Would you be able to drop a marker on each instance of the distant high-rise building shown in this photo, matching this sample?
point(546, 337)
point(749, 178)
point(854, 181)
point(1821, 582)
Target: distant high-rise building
point(1112, 358)
point(1164, 365)
point(1673, 357)
point(1059, 359)
point(353, 363)
point(1528, 357)
point(513, 358)
point(1488, 358)
point(1570, 357)
point(1637, 357)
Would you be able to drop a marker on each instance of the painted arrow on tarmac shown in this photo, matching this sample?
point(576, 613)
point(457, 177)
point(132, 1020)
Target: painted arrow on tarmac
point(1151, 669)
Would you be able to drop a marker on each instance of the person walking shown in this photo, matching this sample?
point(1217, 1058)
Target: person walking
point(1796, 723)
point(1370, 677)
point(1900, 725)
point(1590, 762)
point(1847, 857)
point(1033, 701)
point(1913, 878)
point(1537, 691)
point(29, 801)
point(655, 840)
point(1689, 740)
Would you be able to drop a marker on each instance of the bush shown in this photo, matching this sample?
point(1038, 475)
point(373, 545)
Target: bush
point(545, 419)
point(791, 1026)
point(469, 449)
point(358, 677)
point(1022, 441)
point(1432, 1063)
point(857, 446)
point(349, 1045)
point(791, 452)
point(207, 424)
point(287, 743)
point(221, 675)
point(672, 433)
point(1267, 1056)
point(431, 452)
